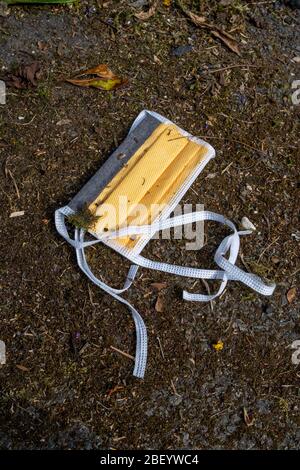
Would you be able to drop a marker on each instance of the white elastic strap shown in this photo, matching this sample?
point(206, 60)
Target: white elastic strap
point(79, 244)
point(228, 269)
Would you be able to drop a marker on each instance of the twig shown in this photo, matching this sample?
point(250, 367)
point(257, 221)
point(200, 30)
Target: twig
point(233, 140)
point(90, 296)
point(249, 146)
point(122, 352)
point(231, 67)
point(219, 413)
point(267, 247)
point(14, 183)
point(205, 283)
point(227, 167)
point(103, 406)
point(160, 347)
point(26, 123)
point(244, 262)
point(293, 274)
point(174, 389)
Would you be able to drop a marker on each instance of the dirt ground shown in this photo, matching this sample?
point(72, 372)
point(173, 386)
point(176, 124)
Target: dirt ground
point(59, 394)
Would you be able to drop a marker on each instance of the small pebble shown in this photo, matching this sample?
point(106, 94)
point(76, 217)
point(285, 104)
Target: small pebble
point(247, 224)
point(181, 50)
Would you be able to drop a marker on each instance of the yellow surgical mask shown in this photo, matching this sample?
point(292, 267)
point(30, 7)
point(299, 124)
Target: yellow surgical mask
point(147, 183)
point(132, 196)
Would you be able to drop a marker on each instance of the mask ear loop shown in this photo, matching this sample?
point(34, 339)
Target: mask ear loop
point(79, 244)
point(232, 243)
point(141, 331)
point(229, 270)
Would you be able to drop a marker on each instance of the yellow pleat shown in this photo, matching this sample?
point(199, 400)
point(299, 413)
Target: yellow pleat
point(149, 181)
point(140, 179)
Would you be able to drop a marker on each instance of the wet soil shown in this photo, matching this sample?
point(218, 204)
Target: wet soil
point(61, 392)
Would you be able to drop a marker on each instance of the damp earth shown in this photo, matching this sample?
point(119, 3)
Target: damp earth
point(64, 386)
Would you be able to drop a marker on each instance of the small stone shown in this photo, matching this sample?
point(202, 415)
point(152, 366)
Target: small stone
point(239, 325)
point(247, 224)
point(181, 50)
point(138, 3)
point(296, 235)
point(264, 406)
point(186, 439)
point(16, 214)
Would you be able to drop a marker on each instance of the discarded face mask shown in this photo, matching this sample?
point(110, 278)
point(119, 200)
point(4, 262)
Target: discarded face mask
point(130, 199)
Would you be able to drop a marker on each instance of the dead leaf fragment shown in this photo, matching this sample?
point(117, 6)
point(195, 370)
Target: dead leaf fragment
point(96, 83)
point(101, 70)
point(60, 49)
point(167, 3)
point(159, 285)
point(227, 39)
point(145, 15)
point(200, 21)
point(159, 305)
point(157, 60)
point(43, 46)
point(25, 77)
point(21, 367)
point(196, 19)
point(291, 294)
point(248, 417)
point(106, 80)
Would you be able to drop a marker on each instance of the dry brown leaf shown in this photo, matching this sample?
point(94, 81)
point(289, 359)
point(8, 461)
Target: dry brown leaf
point(96, 83)
point(159, 285)
point(43, 46)
point(291, 294)
point(200, 21)
point(248, 418)
point(25, 77)
point(159, 306)
point(106, 79)
point(60, 49)
point(145, 15)
point(102, 70)
point(196, 19)
point(227, 39)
